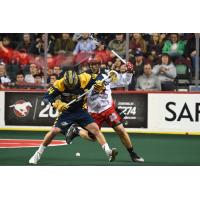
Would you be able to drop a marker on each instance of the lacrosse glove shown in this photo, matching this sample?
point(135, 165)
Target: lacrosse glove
point(60, 106)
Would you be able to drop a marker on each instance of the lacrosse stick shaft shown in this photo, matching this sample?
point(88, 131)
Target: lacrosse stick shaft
point(124, 61)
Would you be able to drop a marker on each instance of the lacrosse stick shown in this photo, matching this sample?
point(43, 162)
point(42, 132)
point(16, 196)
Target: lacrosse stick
point(124, 61)
point(129, 65)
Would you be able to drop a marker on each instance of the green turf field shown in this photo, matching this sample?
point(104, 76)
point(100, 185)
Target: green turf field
point(156, 150)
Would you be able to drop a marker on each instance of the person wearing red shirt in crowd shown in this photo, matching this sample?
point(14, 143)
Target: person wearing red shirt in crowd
point(137, 43)
point(102, 54)
point(8, 54)
point(5, 52)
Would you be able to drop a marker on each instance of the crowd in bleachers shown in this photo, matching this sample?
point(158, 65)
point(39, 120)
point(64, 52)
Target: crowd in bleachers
point(158, 58)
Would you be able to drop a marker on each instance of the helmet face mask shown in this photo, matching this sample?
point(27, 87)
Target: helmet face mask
point(95, 65)
point(95, 68)
point(70, 79)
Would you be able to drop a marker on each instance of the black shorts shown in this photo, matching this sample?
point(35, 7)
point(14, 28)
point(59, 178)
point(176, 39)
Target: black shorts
point(67, 118)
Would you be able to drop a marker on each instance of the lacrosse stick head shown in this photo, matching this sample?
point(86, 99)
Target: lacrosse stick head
point(113, 75)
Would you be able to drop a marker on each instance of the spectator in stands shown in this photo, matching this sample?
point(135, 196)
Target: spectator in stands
point(116, 65)
point(51, 60)
point(20, 81)
point(40, 44)
point(174, 46)
point(27, 44)
point(38, 79)
point(148, 81)
point(12, 70)
point(5, 52)
point(53, 78)
point(64, 45)
point(190, 52)
point(137, 43)
point(85, 44)
point(139, 63)
point(76, 37)
point(121, 69)
point(105, 37)
point(166, 72)
point(33, 69)
point(7, 42)
point(9, 55)
point(39, 70)
point(49, 72)
point(58, 71)
point(154, 48)
point(101, 53)
point(20, 78)
point(138, 69)
point(118, 45)
point(4, 79)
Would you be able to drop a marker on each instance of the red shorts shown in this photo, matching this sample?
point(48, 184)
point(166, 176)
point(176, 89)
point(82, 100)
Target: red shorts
point(110, 116)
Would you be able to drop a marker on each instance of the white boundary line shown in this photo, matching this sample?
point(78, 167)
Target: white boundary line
point(51, 145)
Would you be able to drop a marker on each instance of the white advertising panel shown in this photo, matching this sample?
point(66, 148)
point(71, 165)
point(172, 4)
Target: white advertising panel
point(174, 112)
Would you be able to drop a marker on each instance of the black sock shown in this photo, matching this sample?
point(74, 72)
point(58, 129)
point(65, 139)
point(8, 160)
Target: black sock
point(130, 150)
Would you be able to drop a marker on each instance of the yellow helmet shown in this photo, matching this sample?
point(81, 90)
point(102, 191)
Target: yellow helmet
point(71, 79)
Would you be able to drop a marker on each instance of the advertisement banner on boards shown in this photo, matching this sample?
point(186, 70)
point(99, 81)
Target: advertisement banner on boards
point(134, 106)
point(27, 109)
point(177, 112)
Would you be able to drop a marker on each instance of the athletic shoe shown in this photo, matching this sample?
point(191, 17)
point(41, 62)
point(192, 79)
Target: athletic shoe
point(136, 158)
point(113, 155)
point(35, 158)
point(71, 133)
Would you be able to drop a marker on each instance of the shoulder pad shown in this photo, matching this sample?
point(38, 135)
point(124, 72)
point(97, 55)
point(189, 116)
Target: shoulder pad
point(59, 84)
point(84, 79)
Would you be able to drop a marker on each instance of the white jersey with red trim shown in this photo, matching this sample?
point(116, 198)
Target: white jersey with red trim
point(99, 102)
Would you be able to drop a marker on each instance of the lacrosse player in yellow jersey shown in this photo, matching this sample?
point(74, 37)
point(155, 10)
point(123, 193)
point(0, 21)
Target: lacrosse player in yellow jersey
point(68, 88)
